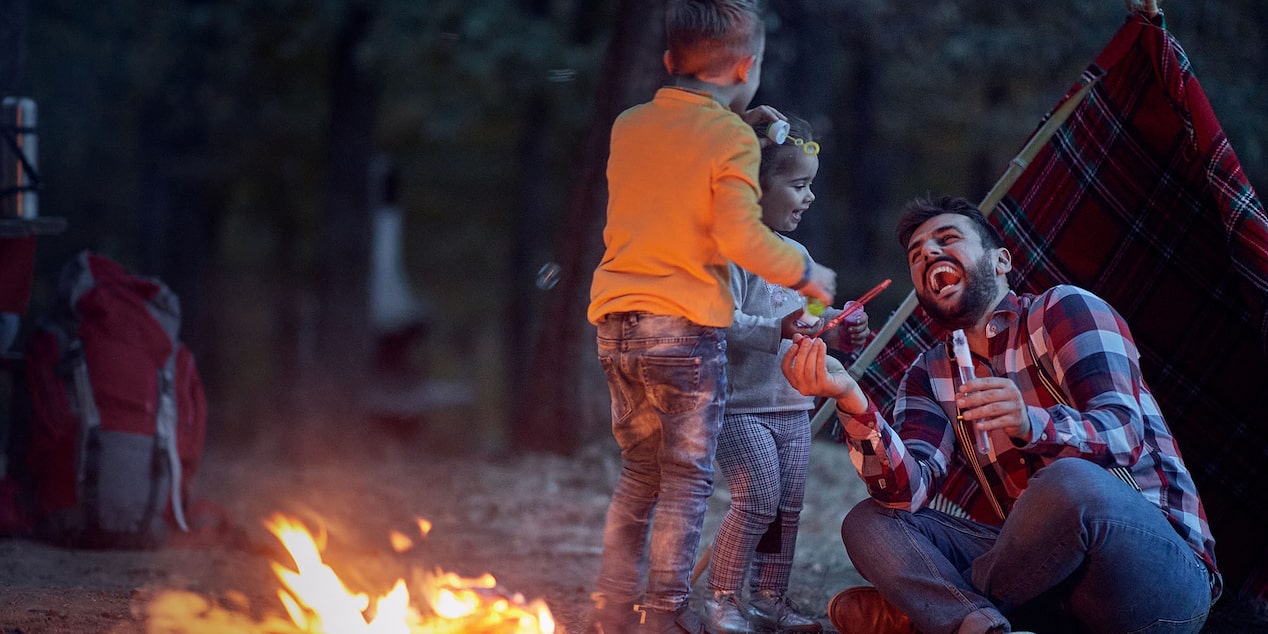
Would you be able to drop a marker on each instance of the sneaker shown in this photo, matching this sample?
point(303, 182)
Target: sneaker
point(680, 621)
point(722, 614)
point(862, 610)
point(613, 617)
point(772, 611)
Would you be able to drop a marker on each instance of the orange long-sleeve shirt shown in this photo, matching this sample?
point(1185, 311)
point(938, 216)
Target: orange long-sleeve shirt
point(683, 204)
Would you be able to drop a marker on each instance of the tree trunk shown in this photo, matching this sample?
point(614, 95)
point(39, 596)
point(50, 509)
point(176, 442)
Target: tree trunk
point(866, 166)
point(528, 230)
point(566, 402)
point(343, 341)
point(12, 45)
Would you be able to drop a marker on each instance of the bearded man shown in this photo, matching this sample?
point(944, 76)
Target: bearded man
point(1078, 514)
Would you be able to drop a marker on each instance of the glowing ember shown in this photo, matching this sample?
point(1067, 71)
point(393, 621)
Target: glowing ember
point(400, 541)
point(317, 601)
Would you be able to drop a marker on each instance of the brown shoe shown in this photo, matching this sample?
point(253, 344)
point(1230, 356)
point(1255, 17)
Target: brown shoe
point(862, 610)
point(613, 617)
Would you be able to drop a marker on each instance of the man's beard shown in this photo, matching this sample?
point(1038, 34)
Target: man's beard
point(975, 299)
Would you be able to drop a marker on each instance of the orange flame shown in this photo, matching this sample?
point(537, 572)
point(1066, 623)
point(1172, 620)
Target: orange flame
point(318, 602)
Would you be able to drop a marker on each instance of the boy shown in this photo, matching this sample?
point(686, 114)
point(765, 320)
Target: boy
point(682, 205)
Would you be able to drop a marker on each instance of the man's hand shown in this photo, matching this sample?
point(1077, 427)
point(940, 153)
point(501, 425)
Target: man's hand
point(806, 369)
point(995, 403)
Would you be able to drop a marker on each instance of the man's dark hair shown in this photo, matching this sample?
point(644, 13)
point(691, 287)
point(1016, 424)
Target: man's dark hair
point(922, 209)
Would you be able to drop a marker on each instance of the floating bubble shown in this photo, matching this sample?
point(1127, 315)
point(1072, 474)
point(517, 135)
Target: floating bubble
point(548, 276)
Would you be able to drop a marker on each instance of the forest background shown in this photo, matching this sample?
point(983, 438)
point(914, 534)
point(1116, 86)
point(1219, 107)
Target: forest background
point(235, 150)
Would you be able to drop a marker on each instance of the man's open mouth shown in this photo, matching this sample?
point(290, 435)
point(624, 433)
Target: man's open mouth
point(943, 277)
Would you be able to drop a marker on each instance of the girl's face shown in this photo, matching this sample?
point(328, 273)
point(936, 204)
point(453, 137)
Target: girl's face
point(786, 194)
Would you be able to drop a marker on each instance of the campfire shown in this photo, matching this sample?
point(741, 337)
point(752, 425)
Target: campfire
point(316, 600)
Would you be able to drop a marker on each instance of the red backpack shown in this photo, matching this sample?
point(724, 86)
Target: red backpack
point(118, 410)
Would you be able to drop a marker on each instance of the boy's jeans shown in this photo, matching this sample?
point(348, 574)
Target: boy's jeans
point(668, 382)
point(1079, 544)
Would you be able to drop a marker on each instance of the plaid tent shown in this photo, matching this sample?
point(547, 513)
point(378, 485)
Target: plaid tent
point(1138, 197)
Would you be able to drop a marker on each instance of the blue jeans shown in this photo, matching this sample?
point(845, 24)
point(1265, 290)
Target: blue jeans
point(667, 377)
point(1081, 551)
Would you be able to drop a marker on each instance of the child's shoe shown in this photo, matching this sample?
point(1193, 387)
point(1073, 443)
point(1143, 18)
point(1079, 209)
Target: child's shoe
point(680, 621)
point(613, 617)
point(771, 611)
point(722, 614)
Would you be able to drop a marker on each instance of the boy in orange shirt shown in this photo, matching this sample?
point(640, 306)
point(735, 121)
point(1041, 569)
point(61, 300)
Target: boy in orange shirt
point(682, 205)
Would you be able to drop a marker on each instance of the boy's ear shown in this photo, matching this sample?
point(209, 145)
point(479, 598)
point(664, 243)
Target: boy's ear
point(669, 65)
point(742, 68)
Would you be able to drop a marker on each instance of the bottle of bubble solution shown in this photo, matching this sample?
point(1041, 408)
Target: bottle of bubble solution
point(964, 363)
point(777, 131)
point(810, 314)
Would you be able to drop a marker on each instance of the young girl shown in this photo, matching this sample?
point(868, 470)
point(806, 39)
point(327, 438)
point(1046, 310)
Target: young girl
point(764, 446)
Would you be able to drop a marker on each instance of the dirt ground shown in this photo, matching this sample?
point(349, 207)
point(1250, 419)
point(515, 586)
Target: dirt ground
point(533, 521)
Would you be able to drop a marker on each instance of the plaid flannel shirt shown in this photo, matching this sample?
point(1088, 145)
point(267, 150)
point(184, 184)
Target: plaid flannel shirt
point(1113, 420)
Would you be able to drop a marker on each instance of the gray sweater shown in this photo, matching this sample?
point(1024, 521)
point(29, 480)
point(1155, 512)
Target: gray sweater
point(754, 348)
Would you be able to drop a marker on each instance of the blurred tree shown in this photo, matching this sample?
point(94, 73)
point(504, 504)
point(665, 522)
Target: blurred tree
point(567, 403)
point(196, 140)
point(12, 44)
point(529, 228)
point(344, 339)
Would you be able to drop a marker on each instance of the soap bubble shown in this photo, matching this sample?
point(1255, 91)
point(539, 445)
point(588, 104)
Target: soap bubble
point(548, 276)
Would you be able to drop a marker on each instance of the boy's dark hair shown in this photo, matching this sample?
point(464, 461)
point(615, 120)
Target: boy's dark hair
point(775, 158)
point(705, 36)
point(921, 209)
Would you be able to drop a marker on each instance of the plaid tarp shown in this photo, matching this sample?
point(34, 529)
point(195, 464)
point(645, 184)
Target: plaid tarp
point(1139, 198)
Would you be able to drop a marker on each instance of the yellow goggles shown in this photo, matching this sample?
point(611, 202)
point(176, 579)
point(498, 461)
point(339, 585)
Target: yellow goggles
point(811, 148)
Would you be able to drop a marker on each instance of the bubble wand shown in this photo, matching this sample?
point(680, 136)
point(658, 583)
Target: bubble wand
point(853, 307)
point(964, 361)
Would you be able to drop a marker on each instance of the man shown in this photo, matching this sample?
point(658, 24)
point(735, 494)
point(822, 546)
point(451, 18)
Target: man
point(1057, 524)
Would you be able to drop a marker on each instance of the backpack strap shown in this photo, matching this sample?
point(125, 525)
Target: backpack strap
point(165, 431)
point(1045, 377)
point(84, 404)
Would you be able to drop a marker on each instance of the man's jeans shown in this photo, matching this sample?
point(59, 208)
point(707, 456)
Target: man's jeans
point(667, 377)
point(1079, 545)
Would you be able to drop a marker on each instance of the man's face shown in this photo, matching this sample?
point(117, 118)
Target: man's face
point(957, 279)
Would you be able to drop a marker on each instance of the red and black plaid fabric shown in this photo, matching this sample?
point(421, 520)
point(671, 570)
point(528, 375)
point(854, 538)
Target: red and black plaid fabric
point(1139, 198)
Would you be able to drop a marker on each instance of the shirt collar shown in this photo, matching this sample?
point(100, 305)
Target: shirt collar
point(1005, 315)
point(686, 94)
